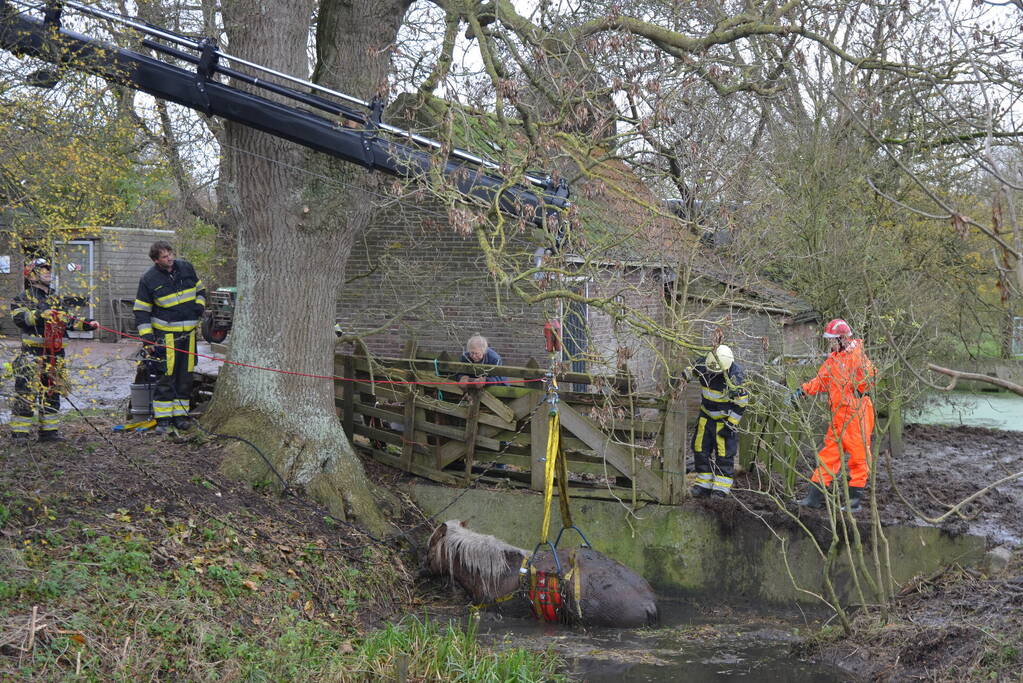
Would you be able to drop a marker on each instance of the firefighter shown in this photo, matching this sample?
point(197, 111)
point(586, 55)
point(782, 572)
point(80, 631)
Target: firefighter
point(38, 313)
point(716, 439)
point(168, 308)
point(847, 376)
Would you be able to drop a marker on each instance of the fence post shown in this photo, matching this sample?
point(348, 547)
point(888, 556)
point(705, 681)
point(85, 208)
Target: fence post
point(409, 431)
point(674, 448)
point(539, 428)
point(472, 425)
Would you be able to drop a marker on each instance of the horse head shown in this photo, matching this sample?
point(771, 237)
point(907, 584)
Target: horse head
point(484, 566)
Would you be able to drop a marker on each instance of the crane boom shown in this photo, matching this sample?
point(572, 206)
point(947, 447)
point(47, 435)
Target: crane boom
point(368, 142)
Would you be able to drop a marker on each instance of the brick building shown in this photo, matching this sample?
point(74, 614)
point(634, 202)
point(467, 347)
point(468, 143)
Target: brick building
point(412, 275)
point(102, 264)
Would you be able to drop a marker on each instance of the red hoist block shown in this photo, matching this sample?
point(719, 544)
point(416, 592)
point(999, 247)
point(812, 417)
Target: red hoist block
point(552, 333)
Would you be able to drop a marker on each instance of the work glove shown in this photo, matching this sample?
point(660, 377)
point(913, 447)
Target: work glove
point(687, 373)
point(54, 315)
point(792, 398)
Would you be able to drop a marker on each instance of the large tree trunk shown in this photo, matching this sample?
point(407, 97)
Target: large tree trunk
point(300, 213)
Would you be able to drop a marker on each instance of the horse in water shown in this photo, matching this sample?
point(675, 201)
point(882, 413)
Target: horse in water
point(592, 589)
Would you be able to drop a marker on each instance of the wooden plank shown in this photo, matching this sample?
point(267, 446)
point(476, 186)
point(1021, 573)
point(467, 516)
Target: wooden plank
point(395, 462)
point(382, 435)
point(472, 426)
point(497, 406)
point(525, 404)
point(456, 410)
point(615, 455)
point(539, 428)
point(458, 434)
point(381, 391)
point(674, 452)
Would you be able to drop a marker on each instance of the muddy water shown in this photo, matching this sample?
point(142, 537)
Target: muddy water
point(1000, 410)
point(711, 645)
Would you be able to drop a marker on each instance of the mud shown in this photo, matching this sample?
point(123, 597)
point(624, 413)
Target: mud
point(942, 466)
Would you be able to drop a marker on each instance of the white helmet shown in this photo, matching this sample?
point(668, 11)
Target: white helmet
point(720, 359)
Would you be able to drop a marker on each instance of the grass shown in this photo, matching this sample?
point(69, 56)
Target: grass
point(421, 650)
point(131, 593)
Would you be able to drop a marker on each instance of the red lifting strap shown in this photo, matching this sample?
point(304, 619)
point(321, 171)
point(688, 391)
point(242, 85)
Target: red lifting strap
point(546, 597)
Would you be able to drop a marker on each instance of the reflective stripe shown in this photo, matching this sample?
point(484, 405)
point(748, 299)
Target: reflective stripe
point(733, 418)
point(171, 354)
point(714, 395)
point(722, 483)
point(201, 300)
point(141, 305)
point(180, 408)
point(701, 425)
point(191, 354)
point(741, 401)
point(21, 425)
point(705, 479)
point(178, 326)
point(163, 409)
point(31, 340)
point(184, 296)
point(145, 328)
point(720, 442)
point(714, 414)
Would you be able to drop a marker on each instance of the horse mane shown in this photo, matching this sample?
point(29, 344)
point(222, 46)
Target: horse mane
point(479, 555)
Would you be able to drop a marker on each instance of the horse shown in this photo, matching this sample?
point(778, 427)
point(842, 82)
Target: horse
point(592, 589)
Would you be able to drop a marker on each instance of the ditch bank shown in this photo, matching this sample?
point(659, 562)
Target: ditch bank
point(705, 548)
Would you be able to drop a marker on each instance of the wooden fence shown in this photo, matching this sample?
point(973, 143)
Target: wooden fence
point(619, 443)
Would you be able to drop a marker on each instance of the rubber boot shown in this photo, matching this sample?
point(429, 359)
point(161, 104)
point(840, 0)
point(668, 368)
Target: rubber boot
point(856, 496)
point(183, 422)
point(699, 491)
point(164, 426)
point(51, 436)
point(814, 498)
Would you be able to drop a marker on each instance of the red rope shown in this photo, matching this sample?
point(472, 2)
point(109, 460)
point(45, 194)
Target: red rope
point(306, 374)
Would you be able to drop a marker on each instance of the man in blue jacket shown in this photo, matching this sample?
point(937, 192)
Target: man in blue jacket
point(478, 352)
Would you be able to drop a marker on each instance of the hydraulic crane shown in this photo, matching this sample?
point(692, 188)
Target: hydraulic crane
point(302, 116)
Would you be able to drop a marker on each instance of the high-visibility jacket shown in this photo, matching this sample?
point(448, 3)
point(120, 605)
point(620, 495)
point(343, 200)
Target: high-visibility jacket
point(722, 399)
point(847, 375)
point(169, 301)
point(28, 310)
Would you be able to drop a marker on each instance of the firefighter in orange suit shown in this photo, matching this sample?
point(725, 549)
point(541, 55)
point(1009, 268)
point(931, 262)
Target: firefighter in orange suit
point(847, 376)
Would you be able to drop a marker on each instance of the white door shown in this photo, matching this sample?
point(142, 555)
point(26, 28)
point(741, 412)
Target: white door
point(73, 275)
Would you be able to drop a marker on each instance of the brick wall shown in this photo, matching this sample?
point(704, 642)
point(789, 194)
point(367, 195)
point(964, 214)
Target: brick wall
point(411, 260)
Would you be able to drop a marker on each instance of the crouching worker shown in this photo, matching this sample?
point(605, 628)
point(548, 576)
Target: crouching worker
point(716, 440)
point(478, 352)
point(39, 368)
point(168, 308)
point(847, 375)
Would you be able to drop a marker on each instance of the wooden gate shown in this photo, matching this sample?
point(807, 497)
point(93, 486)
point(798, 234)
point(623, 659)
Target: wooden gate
point(618, 445)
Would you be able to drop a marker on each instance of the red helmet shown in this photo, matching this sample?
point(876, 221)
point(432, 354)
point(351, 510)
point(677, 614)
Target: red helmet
point(34, 265)
point(837, 328)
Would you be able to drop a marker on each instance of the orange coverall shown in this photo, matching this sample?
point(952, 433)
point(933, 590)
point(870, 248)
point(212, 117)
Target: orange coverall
point(847, 377)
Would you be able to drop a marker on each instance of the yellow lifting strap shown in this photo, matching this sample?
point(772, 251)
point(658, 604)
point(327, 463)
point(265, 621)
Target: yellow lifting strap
point(555, 464)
